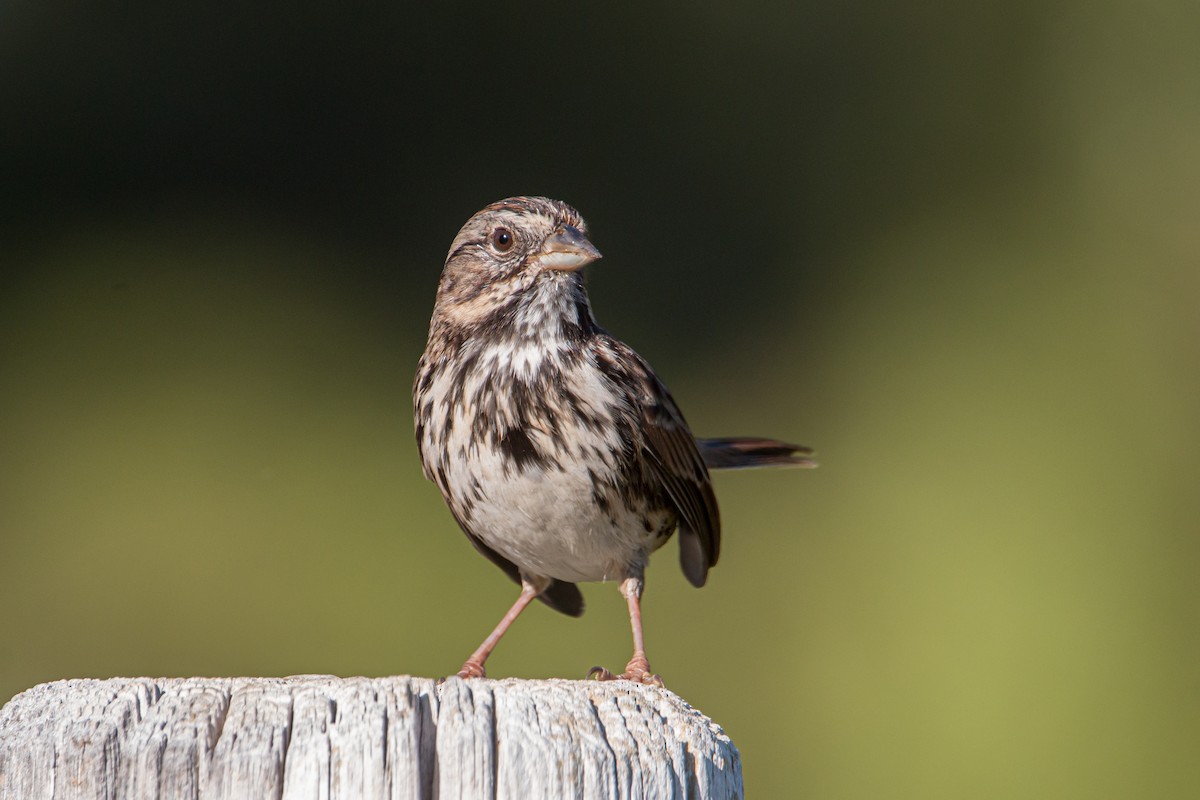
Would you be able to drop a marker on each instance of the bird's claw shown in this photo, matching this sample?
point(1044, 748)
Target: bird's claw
point(636, 670)
point(647, 678)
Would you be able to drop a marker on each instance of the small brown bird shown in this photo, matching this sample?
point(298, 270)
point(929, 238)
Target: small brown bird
point(559, 452)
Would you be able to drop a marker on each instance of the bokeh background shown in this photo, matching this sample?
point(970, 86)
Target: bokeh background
point(954, 247)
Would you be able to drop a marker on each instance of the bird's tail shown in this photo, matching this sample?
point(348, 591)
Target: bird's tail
point(746, 453)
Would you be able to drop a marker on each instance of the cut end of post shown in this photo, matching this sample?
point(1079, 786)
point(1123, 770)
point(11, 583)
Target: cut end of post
point(393, 737)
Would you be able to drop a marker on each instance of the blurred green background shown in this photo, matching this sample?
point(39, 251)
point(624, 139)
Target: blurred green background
point(954, 248)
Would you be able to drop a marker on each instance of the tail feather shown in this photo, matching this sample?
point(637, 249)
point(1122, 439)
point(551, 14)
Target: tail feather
point(747, 453)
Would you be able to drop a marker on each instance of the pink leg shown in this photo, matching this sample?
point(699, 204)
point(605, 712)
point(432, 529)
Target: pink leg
point(638, 668)
point(473, 667)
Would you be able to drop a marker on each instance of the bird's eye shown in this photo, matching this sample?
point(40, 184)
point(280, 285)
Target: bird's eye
point(502, 239)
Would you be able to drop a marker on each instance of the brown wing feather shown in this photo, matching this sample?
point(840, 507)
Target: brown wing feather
point(674, 457)
point(675, 461)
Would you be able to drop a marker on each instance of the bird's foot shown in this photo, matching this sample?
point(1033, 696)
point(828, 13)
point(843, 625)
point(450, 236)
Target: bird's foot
point(472, 669)
point(637, 670)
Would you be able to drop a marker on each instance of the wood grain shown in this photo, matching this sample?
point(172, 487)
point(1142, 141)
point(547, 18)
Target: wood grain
point(324, 737)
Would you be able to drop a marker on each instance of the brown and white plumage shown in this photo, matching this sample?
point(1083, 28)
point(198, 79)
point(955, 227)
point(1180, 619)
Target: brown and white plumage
point(559, 452)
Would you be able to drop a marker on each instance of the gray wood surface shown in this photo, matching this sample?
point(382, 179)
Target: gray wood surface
point(324, 737)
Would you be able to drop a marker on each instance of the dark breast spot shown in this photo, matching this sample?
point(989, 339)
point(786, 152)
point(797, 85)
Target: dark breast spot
point(517, 447)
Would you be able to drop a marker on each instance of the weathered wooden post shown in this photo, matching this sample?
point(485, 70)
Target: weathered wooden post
point(325, 737)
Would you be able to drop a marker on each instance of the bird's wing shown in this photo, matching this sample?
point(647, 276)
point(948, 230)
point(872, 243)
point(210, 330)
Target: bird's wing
point(672, 458)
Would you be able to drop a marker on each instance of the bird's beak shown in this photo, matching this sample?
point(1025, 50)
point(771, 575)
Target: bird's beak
point(567, 250)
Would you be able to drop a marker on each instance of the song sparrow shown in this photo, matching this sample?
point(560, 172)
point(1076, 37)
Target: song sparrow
point(559, 452)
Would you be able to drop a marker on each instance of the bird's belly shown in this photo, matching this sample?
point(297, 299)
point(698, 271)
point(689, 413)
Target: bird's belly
point(549, 522)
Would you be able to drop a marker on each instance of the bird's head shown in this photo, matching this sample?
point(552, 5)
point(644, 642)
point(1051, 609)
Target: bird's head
point(512, 257)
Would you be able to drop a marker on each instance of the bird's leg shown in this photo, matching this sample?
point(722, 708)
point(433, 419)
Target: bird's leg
point(473, 666)
point(638, 668)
